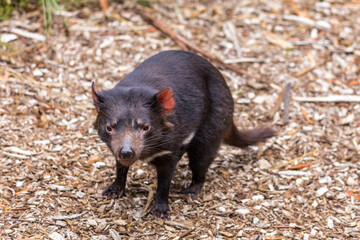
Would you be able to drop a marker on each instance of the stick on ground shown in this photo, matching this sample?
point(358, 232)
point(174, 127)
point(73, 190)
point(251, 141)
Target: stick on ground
point(287, 102)
point(185, 44)
point(333, 98)
point(277, 104)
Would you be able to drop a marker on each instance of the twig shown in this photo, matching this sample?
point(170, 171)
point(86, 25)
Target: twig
point(244, 60)
point(287, 102)
point(35, 36)
point(186, 233)
point(230, 32)
point(333, 98)
point(24, 190)
point(287, 227)
point(303, 20)
point(28, 220)
point(277, 103)
point(303, 165)
point(306, 116)
point(309, 69)
point(185, 44)
point(132, 27)
point(149, 200)
point(27, 80)
point(161, 27)
point(312, 153)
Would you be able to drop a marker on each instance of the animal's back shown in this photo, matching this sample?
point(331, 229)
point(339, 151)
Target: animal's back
point(199, 89)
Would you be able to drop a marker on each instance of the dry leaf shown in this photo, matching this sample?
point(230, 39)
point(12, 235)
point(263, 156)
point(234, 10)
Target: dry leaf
point(93, 159)
point(43, 121)
point(303, 165)
point(104, 5)
point(351, 194)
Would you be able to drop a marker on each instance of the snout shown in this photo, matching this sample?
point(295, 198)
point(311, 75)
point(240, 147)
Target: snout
point(127, 155)
point(127, 147)
point(126, 152)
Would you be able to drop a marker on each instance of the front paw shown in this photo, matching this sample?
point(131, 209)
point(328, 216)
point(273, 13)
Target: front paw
point(161, 210)
point(193, 190)
point(113, 191)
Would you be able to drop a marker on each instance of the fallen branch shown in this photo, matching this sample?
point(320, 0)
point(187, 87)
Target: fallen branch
point(333, 98)
point(150, 19)
point(185, 44)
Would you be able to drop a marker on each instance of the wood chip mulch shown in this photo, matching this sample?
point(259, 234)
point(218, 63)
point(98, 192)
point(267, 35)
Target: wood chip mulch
point(300, 72)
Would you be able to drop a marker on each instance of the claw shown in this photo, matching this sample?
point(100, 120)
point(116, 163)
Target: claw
point(113, 191)
point(193, 190)
point(161, 211)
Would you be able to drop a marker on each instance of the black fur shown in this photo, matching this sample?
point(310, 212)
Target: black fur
point(203, 105)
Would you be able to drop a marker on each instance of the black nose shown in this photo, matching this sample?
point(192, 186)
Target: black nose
point(126, 152)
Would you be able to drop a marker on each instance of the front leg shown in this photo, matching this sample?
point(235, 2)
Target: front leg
point(165, 167)
point(117, 188)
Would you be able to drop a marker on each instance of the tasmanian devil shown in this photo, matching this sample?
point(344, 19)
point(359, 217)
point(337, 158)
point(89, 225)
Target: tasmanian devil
point(172, 103)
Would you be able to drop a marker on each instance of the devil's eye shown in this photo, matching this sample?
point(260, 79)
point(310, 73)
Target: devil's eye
point(146, 128)
point(109, 129)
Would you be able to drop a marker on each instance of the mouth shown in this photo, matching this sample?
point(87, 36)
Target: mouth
point(126, 162)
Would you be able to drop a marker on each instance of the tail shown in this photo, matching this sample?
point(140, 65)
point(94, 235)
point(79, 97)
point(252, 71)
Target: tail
point(245, 138)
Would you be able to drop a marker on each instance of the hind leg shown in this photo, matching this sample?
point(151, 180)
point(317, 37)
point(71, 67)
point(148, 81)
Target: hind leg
point(201, 152)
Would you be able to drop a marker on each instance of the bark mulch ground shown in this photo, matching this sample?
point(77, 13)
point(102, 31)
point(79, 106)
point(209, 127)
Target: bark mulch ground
point(292, 64)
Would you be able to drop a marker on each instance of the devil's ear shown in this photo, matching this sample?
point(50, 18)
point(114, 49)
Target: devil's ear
point(165, 99)
point(95, 96)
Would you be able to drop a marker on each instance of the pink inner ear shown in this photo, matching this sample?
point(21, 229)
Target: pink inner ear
point(166, 100)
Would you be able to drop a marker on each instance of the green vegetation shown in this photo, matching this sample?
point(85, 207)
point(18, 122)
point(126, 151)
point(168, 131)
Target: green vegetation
point(7, 6)
point(49, 7)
